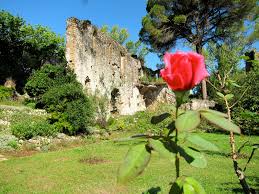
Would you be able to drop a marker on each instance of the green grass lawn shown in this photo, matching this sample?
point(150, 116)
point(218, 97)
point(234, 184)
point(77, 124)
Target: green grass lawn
point(92, 169)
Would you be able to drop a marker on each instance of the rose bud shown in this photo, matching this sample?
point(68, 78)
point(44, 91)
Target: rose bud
point(183, 70)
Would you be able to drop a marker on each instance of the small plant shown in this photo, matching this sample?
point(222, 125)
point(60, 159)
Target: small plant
point(101, 106)
point(13, 144)
point(5, 93)
point(29, 127)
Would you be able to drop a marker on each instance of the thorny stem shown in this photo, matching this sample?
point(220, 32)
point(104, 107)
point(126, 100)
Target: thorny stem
point(177, 158)
point(239, 172)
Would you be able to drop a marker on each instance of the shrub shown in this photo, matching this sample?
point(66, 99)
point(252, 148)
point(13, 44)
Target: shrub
point(57, 91)
point(141, 121)
point(48, 76)
point(5, 93)
point(71, 111)
point(29, 127)
point(247, 120)
point(13, 144)
point(101, 105)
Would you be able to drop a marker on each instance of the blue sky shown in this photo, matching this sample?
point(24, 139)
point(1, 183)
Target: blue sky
point(53, 13)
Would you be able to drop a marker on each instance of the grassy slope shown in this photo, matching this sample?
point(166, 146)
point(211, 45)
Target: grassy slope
point(62, 171)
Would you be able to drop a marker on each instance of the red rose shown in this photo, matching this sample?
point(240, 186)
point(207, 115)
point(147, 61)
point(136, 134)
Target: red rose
point(183, 70)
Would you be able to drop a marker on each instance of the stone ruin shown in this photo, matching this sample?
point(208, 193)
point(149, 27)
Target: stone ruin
point(104, 67)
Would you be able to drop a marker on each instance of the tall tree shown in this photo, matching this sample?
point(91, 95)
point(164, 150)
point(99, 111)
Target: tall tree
point(116, 33)
point(196, 21)
point(121, 35)
point(138, 49)
point(24, 48)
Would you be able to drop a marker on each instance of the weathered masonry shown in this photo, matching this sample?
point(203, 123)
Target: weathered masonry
point(104, 67)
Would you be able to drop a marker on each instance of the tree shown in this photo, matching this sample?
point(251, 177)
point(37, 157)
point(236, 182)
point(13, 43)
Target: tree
point(138, 49)
point(121, 35)
point(118, 34)
point(197, 22)
point(24, 48)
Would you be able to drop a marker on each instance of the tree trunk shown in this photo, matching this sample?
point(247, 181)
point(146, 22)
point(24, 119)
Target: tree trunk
point(203, 83)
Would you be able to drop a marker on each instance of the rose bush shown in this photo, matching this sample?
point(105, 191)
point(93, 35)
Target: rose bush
point(183, 70)
point(177, 141)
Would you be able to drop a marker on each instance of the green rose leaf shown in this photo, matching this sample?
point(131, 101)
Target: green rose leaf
point(186, 185)
point(220, 94)
point(177, 186)
point(198, 160)
point(134, 163)
point(217, 113)
point(202, 143)
point(192, 156)
point(229, 96)
point(188, 189)
point(161, 148)
point(195, 185)
point(188, 121)
point(221, 122)
point(159, 118)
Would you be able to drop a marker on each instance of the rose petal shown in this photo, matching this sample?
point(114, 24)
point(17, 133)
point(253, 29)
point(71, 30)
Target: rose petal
point(198, 68)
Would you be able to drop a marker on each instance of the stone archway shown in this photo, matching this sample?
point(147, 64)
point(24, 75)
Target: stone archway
point(115, 94)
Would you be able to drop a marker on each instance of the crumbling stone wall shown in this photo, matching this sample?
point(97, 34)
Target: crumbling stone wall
point(104, 67)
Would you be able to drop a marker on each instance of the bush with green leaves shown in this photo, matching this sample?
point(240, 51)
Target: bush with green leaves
point(247, 120)
point(25, 48)
point(5, 93)
point(30, 127)
point(245, 112)
point(47, 77)
point(56, 90)
point(71, 110)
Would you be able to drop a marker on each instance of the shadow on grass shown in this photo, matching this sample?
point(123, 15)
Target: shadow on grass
point(227, 155)
point(254, 185)
point(153, 190)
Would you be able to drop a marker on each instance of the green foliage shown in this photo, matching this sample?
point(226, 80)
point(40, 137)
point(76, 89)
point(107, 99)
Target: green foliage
point(167, 21)
point(121, 35)
point(56, 90)
point(135, 162)
point(101, 104)
point(71, 111)
point(201, 143)
point(250, 83)
point(247, 120)
point(13, 144)
point(30, 127)
point(188, 121)
point(138, 49)
point(140, 122)
point(116, 33)
point(173, 142)
point(245, 112)
point(220, 122)
point(46, 77)
point(149, 79)
point(233, 84)
point(159, 147)
point(5, 93)
point(187, 185)
point(24, 48)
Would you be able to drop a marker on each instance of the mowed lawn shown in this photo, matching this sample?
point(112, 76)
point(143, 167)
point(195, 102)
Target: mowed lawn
point(92, 169)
